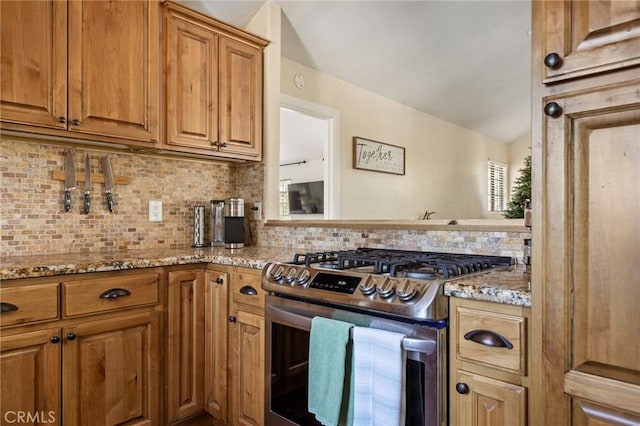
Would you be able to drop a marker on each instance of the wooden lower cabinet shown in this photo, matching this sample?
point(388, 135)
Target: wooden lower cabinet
point(489, 373)
point(247, 366)
point(247, 351)
point(111, 370)
point(489, 402)
point(98, 367)
point(30, 371)
point(215, 344)
point(185, 348)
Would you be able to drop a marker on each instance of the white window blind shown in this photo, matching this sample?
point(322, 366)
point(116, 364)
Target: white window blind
point(497, 180)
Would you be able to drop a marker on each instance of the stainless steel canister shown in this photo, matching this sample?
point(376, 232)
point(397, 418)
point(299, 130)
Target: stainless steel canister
point(198, 226)
point(216, 223)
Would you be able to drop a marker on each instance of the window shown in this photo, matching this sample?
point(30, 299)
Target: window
point(497, 181)
point(284, 198)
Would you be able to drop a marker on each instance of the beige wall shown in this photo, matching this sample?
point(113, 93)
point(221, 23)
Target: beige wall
point(445, 163)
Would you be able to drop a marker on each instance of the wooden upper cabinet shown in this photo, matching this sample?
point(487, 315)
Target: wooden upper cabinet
point(240, 98)
point(33, 68)
point(82, 69)
point(114, 68)
point(589, 37)
point(214, 86)
point(192, 82)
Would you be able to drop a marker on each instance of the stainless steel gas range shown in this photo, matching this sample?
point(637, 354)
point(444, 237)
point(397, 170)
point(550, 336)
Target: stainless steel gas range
point(393, 290)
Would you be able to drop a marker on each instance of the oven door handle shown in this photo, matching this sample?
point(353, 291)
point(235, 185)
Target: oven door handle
point(409, 344)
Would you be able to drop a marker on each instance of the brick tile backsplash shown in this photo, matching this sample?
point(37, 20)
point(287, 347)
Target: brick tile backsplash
point(32, 216)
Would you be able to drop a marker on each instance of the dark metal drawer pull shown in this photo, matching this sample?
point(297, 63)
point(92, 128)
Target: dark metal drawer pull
point(247, 289)
point(8, 307)
point(488, 338)
point(114, 293)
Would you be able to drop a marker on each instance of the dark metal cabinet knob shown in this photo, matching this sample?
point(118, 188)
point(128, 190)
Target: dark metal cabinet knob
point(75, 122)
point(462, 388)
point(553, 60)
point(62, 119)
point(552, 109)
point(232, 319)
point(55, 339)
point(71, 336)
point(224, 144)
point(215, 143)
point(220, 280)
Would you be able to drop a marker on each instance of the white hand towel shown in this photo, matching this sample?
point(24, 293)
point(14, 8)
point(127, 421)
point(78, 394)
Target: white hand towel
point(379, 377)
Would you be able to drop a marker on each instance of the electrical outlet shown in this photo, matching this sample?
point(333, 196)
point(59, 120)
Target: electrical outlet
point(257, 211)
point(155, 211)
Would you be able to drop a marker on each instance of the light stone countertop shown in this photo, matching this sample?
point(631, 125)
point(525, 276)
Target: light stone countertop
point(507, 286)
point(504, 286)
point(80, 263)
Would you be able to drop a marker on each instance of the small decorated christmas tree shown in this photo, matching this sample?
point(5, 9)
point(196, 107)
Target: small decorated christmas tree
point(521, 192)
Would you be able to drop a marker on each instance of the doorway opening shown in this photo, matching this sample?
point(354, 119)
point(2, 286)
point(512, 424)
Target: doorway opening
point(309, 161)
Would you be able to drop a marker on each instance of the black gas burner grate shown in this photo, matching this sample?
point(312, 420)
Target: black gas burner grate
point(395, 262)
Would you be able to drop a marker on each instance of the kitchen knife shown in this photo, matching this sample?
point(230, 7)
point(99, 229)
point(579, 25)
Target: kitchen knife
point(87, 184)
point(69, 179)
point(108, 181)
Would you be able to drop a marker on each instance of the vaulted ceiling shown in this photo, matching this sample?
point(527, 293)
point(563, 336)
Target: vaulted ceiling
point(467, 62)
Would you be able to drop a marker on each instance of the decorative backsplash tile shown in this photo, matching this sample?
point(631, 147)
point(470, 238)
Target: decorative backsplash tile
point(475, 242)
point(32, 216)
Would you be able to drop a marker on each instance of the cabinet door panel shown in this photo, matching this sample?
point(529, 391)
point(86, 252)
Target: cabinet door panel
point(30, 376)
point(111, 371)
point(192, 83)
point(240, 98)
point(186, 336)
point(248, 369)
point(113, 68)
point(591, 36)
point(216, 338)
point(33, 71)
point(590, 250)
point(490, 402)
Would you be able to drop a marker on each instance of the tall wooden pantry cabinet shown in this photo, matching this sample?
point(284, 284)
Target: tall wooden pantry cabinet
point(586, 224)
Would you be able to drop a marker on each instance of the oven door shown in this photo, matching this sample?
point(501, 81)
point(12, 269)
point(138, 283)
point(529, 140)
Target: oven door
point(288, 325)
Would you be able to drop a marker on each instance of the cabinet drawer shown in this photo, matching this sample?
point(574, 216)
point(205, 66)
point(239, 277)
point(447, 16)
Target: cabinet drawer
point(108, 294)
point(484, 337)
point(246, 289)
point(30, 303)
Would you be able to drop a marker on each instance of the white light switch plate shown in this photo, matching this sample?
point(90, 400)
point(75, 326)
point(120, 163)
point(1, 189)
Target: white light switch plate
point(155, 211)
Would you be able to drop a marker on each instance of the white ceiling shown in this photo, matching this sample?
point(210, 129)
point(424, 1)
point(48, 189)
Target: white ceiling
point(467, 62)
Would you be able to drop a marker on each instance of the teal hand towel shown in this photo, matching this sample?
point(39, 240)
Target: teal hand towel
point(327, 352)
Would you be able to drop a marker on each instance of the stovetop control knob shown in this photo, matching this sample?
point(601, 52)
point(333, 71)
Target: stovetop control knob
point(303, 277)
point(386, 289)
point(368, 286)
point(276, 272)
point(406, 290)
point(290, 276)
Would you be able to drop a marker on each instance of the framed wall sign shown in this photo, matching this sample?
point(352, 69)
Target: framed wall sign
point(377, 156)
